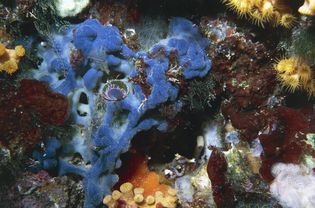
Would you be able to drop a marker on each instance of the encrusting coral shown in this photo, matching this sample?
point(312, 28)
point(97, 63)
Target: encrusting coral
point(308, 8)
point(10, 58)
point(295, 74)
point(136, 171)
point(263, 11)
point(134, 197)
point(140, 187)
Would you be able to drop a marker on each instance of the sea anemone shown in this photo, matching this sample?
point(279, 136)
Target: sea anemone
point(115, 90)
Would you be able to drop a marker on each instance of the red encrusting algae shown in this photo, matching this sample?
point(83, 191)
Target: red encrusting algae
point(222, 192)
point(281, 131)
point(284, 139)
point(25, 111)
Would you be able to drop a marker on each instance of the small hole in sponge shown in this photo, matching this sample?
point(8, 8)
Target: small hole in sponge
point(83, 98)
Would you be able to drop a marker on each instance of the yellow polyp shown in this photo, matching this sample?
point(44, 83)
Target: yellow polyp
point(263, 11)
point(2, 49)
point(10, 58)
point(286, 66)
point(267, 9)
point(257, 18)
point(20, 50)
point(290, 81)
point(311, 90)
point(305, 73)
point(138, 198)
point(107, 199)
point(294, 74)
point(242, 7)
point(134, 197)
point(150, 200)
point(308, 8)
point(287, 20)
point(10, 67)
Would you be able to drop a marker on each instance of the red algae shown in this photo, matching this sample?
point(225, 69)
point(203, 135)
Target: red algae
point(281, 131)
point(284, 139)
point(245, 69)
point(51, 107)
point(116, 13)
point(222, 192)
point(25, 111)
point(249, 123)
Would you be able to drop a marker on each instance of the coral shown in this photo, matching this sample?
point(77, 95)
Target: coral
point(10, 58)
point(133, 197)
point(295, 74)
point(222, 192)
point(70, 8)
point(263, 11)
point(140, 186)
point(107, 126)
point(293, 185)
point(27, 108)
point(308, 8)
point(135, 171)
